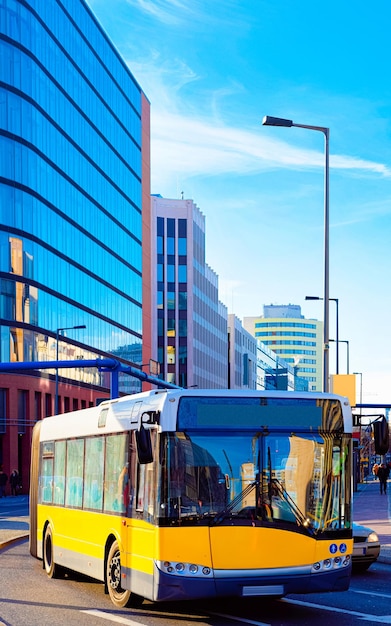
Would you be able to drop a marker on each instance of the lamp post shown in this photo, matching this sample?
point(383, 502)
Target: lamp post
point(58, 331)
point(359, 374)
point(336, 327)
point(347, 351)
point(361, 449)
point(278, 121)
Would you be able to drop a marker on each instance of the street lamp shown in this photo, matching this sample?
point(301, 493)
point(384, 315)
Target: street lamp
point(347, 351)
point(58, 331)
point(336, 326)
point(359, 374)
point(278, 121)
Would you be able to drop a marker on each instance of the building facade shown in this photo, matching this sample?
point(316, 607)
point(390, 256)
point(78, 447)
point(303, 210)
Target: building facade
point(298, 341)
point(188, 319)
point(242, 356)
point(74, 201)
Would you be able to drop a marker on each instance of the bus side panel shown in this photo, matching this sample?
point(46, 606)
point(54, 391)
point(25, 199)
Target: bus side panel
point(83, 550)
point(34, 474)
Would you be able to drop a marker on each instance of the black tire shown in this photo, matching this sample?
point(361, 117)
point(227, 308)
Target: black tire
point(119, 597)
point(360, 568)
point(48, 557)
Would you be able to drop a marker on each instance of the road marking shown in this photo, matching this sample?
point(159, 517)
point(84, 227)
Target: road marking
point(112, 618)
point(370, 593)
point(236, 618)
point(129, 622)
point(384, 619)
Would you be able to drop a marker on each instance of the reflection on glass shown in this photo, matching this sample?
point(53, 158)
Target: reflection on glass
point(301, 481)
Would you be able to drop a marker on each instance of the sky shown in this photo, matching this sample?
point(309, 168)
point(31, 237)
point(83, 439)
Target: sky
point(212, 71)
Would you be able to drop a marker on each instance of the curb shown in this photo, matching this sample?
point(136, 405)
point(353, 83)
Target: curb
point(13, 541)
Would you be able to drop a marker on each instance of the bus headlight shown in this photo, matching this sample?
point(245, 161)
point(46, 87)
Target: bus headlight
point(328, 564)
point(184, 569)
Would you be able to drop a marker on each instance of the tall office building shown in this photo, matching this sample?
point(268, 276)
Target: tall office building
point(299, 341)
point(188, 319)
point(74, 201)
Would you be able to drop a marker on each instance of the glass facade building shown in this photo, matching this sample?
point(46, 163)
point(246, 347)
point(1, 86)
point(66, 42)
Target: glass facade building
point(74, 174)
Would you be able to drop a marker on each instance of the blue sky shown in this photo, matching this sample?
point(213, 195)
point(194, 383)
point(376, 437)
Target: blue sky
point(211, 71)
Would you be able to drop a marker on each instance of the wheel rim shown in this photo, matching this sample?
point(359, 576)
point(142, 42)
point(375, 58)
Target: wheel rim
point(115, 573)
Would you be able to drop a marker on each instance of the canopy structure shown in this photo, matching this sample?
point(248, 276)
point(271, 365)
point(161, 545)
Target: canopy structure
point(105, 365)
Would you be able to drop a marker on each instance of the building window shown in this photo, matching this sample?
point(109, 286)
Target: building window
point(170, 355)
point(171, 273)
point(48, 405)
point(37, 406)
point(3, 410)
point(171, 327)
point(182, 300)
point(182, 273)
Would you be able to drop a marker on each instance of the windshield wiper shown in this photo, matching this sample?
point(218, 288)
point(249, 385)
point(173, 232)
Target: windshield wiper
point(219, 517)
point(301, 519)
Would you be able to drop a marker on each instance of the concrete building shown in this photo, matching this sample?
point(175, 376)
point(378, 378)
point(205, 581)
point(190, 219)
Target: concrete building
point(242, 356)
point(188, 319)
point(298, 341)
point(74, 204)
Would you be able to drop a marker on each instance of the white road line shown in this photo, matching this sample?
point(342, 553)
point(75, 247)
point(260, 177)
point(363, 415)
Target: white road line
point(129, 622)
point(112, 618)
point(384, 619)
point(242, 620)
point(371, 593)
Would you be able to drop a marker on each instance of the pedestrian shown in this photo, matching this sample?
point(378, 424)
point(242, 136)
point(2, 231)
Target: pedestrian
point(383, 473)
point(3, 482)
point(375, 469)
point(14, 482)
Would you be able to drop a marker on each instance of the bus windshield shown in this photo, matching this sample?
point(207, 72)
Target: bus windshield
point(287, 480)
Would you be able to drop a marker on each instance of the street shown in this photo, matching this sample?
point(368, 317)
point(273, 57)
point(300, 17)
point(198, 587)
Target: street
point(29, 598)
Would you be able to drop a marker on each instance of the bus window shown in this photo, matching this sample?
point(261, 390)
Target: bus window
point(93, 474)
point(46, 480)
point(74, 484)
point(59, 473)
point(115, 473)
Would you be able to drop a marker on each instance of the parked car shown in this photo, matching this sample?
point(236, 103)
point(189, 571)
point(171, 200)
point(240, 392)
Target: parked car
point(366, 547)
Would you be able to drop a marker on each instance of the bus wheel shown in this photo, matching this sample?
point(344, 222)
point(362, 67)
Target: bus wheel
point(48, 560)
point(119, 597)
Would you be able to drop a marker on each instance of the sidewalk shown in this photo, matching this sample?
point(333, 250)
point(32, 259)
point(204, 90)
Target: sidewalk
point(374, 510)
point(369, 509)
point(13, 527)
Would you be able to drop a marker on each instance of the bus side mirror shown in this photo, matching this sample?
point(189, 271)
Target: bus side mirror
point(381, 436)
point(144, 445)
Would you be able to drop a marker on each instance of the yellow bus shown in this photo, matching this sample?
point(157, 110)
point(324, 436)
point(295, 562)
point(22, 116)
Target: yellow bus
point(187, 493)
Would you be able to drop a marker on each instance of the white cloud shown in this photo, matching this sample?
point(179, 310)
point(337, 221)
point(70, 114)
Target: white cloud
point(190, 138)
point(170, 12)
point(199, 147)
